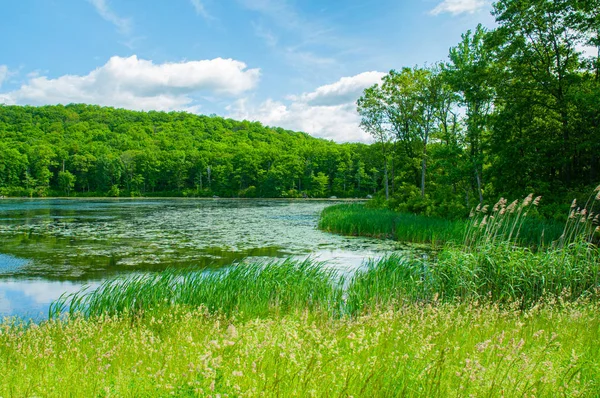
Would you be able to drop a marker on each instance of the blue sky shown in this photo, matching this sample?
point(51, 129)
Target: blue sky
point(295, 64)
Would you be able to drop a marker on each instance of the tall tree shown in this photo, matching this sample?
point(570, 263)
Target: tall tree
point(539, 44)
point(372, 108)
point(469, 71)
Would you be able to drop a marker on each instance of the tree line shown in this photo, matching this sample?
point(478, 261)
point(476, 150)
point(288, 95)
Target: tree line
point(87, 150)
point(512, 110)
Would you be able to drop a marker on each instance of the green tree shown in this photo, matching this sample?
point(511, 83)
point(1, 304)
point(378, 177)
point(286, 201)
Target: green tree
point(470, 72)
point(66, 181)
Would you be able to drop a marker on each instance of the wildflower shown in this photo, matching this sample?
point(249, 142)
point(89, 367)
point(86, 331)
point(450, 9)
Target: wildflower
point(232, 331)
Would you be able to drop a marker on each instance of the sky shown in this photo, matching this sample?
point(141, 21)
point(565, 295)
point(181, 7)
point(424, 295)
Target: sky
point(296, 64)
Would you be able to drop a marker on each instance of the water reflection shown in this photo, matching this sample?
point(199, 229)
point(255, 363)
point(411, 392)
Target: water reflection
point(30, 298)
point(48, 247)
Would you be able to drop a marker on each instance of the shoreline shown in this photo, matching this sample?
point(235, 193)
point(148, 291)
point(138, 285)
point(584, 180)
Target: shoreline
point(179, 197)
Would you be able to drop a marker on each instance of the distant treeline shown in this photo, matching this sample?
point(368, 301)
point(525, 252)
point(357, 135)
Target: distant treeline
point(87, 150)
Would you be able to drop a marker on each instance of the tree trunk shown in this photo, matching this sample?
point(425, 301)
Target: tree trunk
point(478, 178)
point(385, 180)
point(393, 177)
point(423, 171)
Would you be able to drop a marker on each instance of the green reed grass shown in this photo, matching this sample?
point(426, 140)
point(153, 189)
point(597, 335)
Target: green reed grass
point(254, 289)
point(356, 219)
point(392, 280)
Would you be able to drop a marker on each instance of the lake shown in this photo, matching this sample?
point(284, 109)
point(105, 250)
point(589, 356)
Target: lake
point(52, 246)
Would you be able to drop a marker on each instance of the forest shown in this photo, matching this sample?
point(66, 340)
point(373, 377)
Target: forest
point(512, 110)
point(88, 150)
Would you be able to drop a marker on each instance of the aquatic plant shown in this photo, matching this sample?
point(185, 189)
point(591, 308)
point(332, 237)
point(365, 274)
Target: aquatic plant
point(245, 289)
point(356, 219)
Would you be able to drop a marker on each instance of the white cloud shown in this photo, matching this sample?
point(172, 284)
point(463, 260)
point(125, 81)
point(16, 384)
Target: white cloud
point(123, 25)
point(140, 84)
point(3, 73)
point(585, 50)
point(201, 10)
point(456, 7)
point(328, 112)
point(346, 90)
point(42, 291)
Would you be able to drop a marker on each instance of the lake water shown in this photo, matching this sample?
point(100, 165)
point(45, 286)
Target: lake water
point(49, 247)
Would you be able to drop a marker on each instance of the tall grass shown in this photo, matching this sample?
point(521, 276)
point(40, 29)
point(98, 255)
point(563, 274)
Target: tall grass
point(356, 219)
point(415, 350)
point(393, 280)
point(253, 290)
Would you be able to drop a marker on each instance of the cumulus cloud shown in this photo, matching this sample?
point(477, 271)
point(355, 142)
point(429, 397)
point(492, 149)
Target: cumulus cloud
point(456, 7)
point(346, 90)
point(3, 73)
point(140, 84)
point(123, 25)
point(328, 112)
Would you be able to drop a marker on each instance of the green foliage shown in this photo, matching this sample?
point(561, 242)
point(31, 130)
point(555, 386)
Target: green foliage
point(66, 181)
point(513, 109)
point(105, 151)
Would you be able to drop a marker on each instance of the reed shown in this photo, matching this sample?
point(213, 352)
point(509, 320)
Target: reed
point(356, 219)
point(253, 290)
point(391, 281)
point(511, 224)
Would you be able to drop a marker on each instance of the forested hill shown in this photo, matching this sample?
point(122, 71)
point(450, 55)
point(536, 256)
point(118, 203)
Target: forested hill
point(87, 150)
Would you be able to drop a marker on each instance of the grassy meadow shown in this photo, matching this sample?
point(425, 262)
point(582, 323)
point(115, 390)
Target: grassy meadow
point(489, 315)
point(422, 350)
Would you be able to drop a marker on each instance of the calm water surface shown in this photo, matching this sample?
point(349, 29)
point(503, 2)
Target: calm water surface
point(49, 247)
